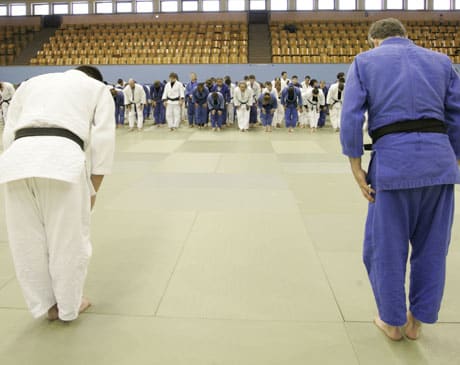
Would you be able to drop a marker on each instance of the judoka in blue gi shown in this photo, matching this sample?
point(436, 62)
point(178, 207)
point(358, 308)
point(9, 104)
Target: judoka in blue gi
point(291, 99)
point(267, 104)
point(223, 89)
point(156, 92)
point(413, 99)
point(148, 107)
point(200, 100)
point(216, 107)
point(188, 99)
point(119, 100)
point(324, 109)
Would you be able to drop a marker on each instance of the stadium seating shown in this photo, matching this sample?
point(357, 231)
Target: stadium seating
point(13, 39)
point(146, 43)
point(339, 42)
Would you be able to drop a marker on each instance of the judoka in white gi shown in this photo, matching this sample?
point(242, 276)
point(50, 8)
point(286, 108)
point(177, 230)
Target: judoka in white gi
point(58, 144)
point(7, 92)
point(230, 106)
point(134, 102)
point(334, 100)
point(173, 99)
point(312, 100)
point(278, 117)
point(243, 100)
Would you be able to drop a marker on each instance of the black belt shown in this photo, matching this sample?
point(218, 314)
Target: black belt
point(6, 101)
point(58, 132)
point(173, 99)
point(406, 126)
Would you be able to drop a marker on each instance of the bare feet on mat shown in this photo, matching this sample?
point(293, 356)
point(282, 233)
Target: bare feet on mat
point(53, 313)
point(392, 332)
point(85, 304)
point(413, 327)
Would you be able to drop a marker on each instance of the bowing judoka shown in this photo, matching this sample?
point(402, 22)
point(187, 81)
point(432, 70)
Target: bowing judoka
point(230, 106)
point(134, 103)
point(267, 104)
point(291, 99)
point(256, 91)
point(173, 99)
point(156, 93)
point(313, 100)
point(119, 101)
point(58, 144)
point(216, 107)
point(222, 88)
point(200, 99)
point(278, 117)
point(7, 91)
point(243, 99)
point(335, 100)
point(188, 99)
point(410, 180)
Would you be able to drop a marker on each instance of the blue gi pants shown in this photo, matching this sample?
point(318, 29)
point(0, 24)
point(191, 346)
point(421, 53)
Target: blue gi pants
point(216, 119)
point(322, 117)
point(147, 109)
point(191, 113)
point(201, 115)
point(159, 113)
point(266, 118)
point(253, 114)
point(291, 116)
point(422, 217)
point(119, 114)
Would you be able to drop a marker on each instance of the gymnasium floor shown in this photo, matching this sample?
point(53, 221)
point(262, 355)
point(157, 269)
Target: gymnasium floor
point(225, 248)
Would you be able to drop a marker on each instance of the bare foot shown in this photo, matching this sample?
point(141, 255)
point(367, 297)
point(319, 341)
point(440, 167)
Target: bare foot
point(413, 327)
point(85, 304)
point(392, 332)
point(53, 313)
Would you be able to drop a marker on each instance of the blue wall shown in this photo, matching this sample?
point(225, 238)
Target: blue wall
point(150, 73)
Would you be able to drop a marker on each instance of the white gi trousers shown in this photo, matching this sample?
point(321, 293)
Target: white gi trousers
point(230, 113)
point(312, 117)
point(173, 114)
point(48, 230)
point(5, 107)
point(335, 112)
point(303, 117)
point(132, 116)
point(242, 113)
point(278, 117)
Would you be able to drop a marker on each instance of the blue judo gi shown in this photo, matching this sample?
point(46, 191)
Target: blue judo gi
point(324, 110)
point(291, 114)
point(200, 99)
point(413, 173)
point(266, 115)
point(159, 110)
point(119, 100)
point(225, 91)
point(188, 101)
point(216, 108)
point(148, 107)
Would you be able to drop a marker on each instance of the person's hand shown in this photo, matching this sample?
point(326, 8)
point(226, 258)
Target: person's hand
point(196, 105)
point(165, 103)
point(360, 177)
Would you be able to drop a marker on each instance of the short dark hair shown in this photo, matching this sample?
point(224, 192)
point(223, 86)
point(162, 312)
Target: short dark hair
point(252, 77)
point(340, 75)
point(315, 91)
point(173, 74)
point(385, 28)
point(91, 71)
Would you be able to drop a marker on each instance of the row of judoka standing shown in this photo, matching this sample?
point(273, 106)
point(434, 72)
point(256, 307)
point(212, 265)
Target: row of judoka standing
point(222, 103)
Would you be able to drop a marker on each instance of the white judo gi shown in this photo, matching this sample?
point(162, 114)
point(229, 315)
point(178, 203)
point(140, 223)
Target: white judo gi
point(7, 93)
point(231, 106)
point(173, 95)
point(312, 107)
point(135, 101)
point(243, 103)
point(334, 100)
point(48, 186)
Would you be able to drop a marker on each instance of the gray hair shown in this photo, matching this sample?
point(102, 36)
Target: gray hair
point(385, 28)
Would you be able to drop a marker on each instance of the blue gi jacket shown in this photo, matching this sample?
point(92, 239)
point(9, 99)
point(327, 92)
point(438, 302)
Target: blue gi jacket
point(200, 97)
point(272, 105)
point(119, 98)
point(297, 97)
point(224, 90)
point(156, 94)
point(400, 81)
point(189, 89)
point(218, 104)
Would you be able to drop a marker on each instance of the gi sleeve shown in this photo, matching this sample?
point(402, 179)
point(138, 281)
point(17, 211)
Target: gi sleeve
point(251, 97)
point(143, 97)
point(274, 102)
point(452, 112)
point(352, 119)
point(103, 136)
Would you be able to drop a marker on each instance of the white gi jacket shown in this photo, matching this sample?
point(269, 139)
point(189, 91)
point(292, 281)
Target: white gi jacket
point(7, 92)
point(173, 94)
point(70, 100)
point(307, 100)
point(333, 95)
point(134, 96)
point(240, 98)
